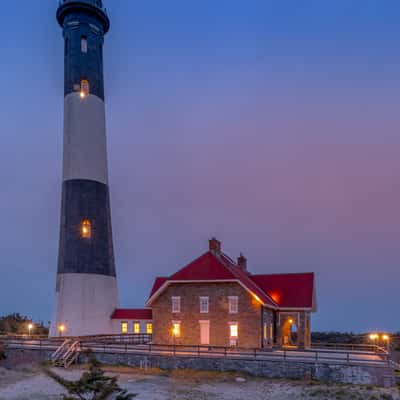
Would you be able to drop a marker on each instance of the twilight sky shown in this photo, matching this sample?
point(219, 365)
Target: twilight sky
point(273, 125)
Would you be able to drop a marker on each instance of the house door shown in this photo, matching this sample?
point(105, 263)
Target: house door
point(204, 332)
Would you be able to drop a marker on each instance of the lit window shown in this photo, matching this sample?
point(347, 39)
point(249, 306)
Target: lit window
point(233, 304)
point(265, 331)
point(124, 327)
point(176, 329)
point(233, 330)
point(204, 304)
point(86, 229)
point(85, 88)
point(84, 46)
point(149, 328)
point(176, 304)
point(136, 327)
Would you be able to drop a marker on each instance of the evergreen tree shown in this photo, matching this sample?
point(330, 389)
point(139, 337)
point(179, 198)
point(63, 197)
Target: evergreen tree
point(2, 351)
point(92, 385)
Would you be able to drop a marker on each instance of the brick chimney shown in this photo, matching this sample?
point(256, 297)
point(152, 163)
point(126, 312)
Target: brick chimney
point(215, 246)
point(242, 262)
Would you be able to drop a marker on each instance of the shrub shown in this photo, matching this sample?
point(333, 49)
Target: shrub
point(92, 385)
point(2, 351)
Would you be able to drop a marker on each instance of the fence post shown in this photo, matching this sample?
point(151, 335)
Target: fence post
point(225, 351)
point(348, 358)
point(255, 353)
point(198, 350)
point(316, 356)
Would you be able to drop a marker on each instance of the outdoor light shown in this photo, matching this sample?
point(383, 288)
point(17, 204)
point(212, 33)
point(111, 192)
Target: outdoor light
point(290, 321)
point(82, 94)
point(61, 329)
point(30, 326)
point(257, 298)
point(373, 336)
point(385, 337)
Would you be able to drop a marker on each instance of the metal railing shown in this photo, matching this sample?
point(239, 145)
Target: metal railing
point(124, 344)
point(373, 348)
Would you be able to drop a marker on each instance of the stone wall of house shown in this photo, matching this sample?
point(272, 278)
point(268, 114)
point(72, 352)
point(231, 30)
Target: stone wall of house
point(249, 316)
point(267, 327)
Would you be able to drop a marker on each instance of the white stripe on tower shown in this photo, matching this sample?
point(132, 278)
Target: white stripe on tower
point(85, 147)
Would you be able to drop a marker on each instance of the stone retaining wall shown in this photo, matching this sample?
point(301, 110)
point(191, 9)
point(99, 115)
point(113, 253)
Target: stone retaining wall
point(350, 374)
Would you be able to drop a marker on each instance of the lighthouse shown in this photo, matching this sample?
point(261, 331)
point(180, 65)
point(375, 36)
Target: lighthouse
point(86, 286)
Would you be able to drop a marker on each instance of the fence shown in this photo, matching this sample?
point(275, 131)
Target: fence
point(141, 344)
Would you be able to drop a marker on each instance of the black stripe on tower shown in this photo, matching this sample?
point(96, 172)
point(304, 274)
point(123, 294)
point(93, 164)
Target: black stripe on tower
point(83, 20)
point(85, 201)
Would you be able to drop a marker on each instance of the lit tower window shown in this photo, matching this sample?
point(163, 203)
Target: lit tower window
point(85, 88)
point(86, 229)
point(84, 46)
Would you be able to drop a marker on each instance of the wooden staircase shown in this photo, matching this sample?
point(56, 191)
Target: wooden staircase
point(66, 354)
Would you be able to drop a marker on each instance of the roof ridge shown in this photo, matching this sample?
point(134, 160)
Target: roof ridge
point(186, 265)
point(285, 273)
point(239, 274)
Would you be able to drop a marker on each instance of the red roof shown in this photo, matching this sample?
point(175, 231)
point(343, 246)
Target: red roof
point(288, 290)
point(276, 291)
point(157, 284)
point(205, 268)
point(132, 313)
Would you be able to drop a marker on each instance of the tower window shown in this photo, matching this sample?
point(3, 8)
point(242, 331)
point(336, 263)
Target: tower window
point(84, 45)
point(85, 89)
point(86, 229)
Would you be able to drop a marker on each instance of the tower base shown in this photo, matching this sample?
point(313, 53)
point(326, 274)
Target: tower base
point(84, 304)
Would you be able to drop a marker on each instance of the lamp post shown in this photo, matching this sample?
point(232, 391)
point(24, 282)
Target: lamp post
point(30, 327)
point(386, 339)
point(61, 329)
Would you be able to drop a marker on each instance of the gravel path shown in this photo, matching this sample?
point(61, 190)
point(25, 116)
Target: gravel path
point(31, 384)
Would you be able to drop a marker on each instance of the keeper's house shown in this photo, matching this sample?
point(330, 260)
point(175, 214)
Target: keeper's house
point(218, 302)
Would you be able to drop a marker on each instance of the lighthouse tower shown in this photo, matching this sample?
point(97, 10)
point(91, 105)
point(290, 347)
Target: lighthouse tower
point(86, 287)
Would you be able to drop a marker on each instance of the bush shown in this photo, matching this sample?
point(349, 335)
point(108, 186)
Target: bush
point(2, 351)
point(92, 385)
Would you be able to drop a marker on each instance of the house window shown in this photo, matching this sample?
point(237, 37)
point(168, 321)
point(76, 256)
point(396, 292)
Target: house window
point(85, 88)
point(149, 328)
point(233, 304)
point(176, 329)
point(136, 327)
point(265, 331)
point(86, 229)
point(204, 304)
point(176, 304)
point(233, 330)
point(84, 46)
point(124, 327)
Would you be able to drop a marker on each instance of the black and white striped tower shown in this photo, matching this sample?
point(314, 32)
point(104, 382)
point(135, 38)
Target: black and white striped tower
point(86, 288)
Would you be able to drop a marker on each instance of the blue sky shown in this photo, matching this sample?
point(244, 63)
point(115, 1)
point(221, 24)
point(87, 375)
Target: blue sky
point(271, 125)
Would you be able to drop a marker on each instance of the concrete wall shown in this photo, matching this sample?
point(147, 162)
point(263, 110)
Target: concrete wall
point(116, 325)
point(249, 316)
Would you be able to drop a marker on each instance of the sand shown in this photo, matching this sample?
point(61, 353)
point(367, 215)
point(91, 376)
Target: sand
point(30, 383)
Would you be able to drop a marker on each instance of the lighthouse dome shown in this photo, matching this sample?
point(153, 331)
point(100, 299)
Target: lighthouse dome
point(97, 3)
point(93, 7)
